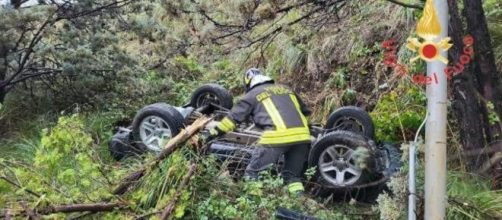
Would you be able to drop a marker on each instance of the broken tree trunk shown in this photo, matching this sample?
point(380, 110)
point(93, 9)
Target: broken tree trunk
point(170, 147)
point(170, 207)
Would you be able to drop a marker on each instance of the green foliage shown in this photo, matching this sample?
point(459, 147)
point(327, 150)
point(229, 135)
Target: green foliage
point(349, 96)
point(72, 177)
point(65, 167)
point(493, 118)
point(110, 64)
point(398, 114)
point(358, 51)
point(338, 79)
point(469, 196)
point(249, 199)
point(493, 12)
point(190, 65)
point(156, 189)
point(472, 198)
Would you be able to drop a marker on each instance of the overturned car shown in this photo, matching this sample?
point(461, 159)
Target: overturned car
point(336, 151)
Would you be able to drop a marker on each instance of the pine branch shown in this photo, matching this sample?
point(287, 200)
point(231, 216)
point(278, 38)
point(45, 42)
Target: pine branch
point(170, 207)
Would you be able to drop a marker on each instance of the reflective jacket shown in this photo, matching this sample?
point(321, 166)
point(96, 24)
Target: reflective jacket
point(275, 109)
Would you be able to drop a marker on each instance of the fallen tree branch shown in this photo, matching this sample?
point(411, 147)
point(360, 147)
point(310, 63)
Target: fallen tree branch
point(170, 147)
point(30, 212)
point(93, 207)
point(495, 159)
point(490, 149)
point(170, 207)
point(34, 213)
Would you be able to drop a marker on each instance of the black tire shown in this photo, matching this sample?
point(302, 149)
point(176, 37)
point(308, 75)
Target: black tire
point(162, 110)
point(348, 140)
point(218, 93)
point(394, 158)
point(120, 146)
point(351, 118)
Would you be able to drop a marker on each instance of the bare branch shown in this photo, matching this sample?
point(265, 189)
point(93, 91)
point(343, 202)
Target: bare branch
point(407, 5)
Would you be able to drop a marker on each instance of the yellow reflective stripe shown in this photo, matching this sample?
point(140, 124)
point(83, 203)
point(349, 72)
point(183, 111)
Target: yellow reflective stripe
point(290, 135)
point(299, 109)
point(274, 114)
point(223, 127)
point(274, 137)
point(226, 125)
point(285, 140)
point(295, 187)
point(286, 132)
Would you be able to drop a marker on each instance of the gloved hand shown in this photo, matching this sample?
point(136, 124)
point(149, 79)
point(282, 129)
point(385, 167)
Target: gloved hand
point(214, 132)
point(210, 135)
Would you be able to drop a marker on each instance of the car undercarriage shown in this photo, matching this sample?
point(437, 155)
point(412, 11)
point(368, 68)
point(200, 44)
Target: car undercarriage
point(343, 153)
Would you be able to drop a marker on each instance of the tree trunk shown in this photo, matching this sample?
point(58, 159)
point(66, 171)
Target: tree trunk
point(3, 70)
point(490, 82)
point(478, 84)
point(466, 105)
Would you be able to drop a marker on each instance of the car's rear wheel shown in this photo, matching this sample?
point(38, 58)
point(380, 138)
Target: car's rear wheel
point(154, 125)
point(211, 94)
point(337, 165)
point(120, 145)
point(336, 154)
point(351, 118)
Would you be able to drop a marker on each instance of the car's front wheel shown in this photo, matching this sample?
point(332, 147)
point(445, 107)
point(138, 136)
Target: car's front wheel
point(211, 94)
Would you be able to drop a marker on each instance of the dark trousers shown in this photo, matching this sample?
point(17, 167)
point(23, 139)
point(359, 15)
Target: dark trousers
point(295, 156)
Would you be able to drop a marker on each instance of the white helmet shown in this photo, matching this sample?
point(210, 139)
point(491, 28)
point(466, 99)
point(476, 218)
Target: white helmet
point(253, 77)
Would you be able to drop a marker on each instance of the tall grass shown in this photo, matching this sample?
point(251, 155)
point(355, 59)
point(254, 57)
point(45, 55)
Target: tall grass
point(470, 197)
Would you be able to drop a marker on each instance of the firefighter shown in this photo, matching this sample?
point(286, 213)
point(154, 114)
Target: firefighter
point(282, 115)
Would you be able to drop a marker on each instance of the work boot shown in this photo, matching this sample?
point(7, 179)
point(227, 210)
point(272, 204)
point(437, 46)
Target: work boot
point(296, 189)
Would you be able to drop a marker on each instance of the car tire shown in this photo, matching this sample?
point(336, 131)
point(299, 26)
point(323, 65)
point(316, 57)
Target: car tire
point(394, 158)
point(214, 93)
point(343, 173)
point(351, 118)
point(120, 146)
point(154, 122)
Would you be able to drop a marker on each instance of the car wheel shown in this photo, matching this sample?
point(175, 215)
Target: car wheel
point(120, 145)
point(351, 118)
point(335, 157)
point(394, 159)
point(154, 125)
point(211, 93)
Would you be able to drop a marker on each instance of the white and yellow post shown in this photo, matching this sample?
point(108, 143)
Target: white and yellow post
point(435, 130)
point(433, 29)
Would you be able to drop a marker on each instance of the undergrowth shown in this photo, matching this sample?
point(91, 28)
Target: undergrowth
point(68, 166)
point(469, 197)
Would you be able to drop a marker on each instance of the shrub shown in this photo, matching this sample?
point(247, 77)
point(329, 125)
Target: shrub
point(399, 113)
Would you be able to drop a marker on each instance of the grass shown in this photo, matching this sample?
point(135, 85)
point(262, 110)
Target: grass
point(470, 197)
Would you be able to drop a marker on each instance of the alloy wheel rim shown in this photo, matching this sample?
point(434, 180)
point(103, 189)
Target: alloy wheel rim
point(154, 132)
point(337, 166)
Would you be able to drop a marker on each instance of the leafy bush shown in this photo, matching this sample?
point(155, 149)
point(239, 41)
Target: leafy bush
point(65, 168)
point(399, 113)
